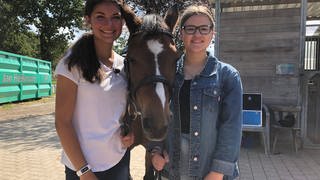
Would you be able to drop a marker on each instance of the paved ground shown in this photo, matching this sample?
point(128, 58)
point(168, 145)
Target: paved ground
point(29, 149)
point(27, 108)
point(305, 165)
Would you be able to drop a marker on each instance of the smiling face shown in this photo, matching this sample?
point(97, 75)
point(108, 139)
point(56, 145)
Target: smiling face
point(197, 42)
point(106, 22)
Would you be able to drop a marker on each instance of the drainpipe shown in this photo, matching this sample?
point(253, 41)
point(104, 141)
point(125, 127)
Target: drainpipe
point(303, 89)
point(218, 12)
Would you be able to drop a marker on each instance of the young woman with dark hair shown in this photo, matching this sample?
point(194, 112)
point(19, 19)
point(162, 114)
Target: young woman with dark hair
point(91, 97)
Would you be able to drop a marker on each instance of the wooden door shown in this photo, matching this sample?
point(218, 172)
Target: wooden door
point(313, 116)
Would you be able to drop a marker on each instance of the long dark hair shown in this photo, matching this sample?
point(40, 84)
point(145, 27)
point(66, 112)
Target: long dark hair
point(83, 53)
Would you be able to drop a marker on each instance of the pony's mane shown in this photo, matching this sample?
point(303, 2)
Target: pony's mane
point(153, 24)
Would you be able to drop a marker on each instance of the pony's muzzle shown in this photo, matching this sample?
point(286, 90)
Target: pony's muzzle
point(154, 131)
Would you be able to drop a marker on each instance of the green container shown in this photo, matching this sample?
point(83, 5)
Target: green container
point(23, 77)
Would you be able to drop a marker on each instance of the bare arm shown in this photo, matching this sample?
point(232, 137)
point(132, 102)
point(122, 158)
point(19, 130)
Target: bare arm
point(66, 95)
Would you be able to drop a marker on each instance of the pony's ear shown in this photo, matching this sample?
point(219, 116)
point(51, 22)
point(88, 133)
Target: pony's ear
point(171, 17)
point(132, 21)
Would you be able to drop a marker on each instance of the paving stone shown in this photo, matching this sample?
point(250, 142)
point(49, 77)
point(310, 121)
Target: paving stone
point(30, 150)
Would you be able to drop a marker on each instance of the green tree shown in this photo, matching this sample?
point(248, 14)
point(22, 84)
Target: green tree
point(14, 36)
point(121, 42)
point(24, 43)
point(161, 6)
point(55, 22)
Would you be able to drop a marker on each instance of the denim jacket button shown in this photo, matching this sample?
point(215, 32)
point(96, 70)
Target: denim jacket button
point(196, 133)
point(194, 83)
point(195, 107)
point(195, 158)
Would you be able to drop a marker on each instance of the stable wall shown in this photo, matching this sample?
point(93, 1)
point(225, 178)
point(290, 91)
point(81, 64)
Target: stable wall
point(264, 46)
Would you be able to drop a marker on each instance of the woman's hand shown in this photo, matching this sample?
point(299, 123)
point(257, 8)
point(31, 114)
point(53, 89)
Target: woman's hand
point(127, 140)
point(214, 176)
point(159, 161)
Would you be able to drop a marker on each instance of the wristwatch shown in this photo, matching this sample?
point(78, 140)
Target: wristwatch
point(86, 168)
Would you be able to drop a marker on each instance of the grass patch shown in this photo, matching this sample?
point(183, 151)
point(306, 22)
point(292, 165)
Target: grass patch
point(6, 106)
point(43, 100)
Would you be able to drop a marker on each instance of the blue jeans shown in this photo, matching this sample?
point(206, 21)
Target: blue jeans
point(120, 171)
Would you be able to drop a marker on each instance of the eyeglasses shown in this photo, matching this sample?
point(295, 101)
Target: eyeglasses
point(192, 29)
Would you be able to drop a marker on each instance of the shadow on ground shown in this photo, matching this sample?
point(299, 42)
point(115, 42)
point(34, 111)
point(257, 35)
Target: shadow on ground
point(29, 133)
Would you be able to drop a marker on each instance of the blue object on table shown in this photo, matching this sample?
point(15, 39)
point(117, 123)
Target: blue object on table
point(252, 118)
point(252, 109)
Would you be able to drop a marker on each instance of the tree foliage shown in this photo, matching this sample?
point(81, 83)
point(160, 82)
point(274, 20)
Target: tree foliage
point(121, 43)
point(55, 20)
point(161, 6)
point(54, 23)
point(14, 36)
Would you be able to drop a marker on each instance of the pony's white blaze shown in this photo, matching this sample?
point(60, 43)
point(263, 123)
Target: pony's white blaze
point(156, 48)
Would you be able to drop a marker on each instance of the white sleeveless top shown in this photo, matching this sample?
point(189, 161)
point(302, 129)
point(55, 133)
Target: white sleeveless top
point(98, 109)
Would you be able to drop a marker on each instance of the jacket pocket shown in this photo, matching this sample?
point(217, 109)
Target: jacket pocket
point(212, 91)
point(211, 99)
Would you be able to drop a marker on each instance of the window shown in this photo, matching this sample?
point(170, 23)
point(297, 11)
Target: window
point(312, 46)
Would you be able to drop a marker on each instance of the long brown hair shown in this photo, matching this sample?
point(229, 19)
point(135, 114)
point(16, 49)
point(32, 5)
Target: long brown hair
point(196, 10)
point(83, 55)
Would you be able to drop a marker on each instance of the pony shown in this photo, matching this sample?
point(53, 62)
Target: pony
point(150, 66)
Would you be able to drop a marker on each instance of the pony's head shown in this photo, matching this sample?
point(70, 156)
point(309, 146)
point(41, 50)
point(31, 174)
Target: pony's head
point(151, 63)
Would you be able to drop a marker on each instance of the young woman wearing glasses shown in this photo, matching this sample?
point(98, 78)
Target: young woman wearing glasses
point(205, 133)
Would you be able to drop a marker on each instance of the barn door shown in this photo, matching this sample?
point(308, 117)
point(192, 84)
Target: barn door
point(313, 116)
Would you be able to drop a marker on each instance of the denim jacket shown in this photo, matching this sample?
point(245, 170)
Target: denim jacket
point(215, 121)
